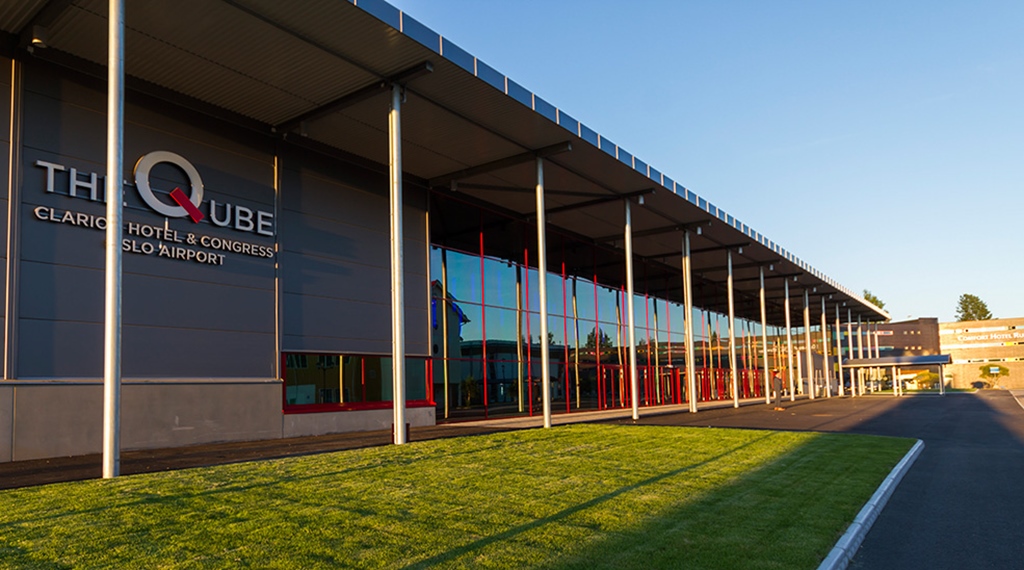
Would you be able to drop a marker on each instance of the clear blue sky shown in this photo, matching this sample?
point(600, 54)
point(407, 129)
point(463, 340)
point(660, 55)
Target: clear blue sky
point(881, 142)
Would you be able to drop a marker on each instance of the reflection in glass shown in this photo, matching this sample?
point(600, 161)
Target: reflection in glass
point(464, 277)
point(608, 304)
point(499, 283)
point(346, 380)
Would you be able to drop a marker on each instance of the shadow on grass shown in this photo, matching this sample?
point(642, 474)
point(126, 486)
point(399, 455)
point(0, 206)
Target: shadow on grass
point(12, 556)
point(512, 532)
point(786, 513)
point(135, 498)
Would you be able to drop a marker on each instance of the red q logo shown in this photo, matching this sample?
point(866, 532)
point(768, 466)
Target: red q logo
point(187, 205)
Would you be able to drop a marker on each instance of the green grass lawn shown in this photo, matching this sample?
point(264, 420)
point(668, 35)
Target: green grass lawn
point(580, 496)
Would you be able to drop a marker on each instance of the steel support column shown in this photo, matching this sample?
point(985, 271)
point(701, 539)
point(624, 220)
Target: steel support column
point(112, 276)
point(542, 290)
point(839, 354)
point(826, 368)
point(789, 345)
point(634, 389)
point(849, 350)
point(397, 268)
point(691, 369)
point(764, 343)
point(878, 350)
point(808, 366)
point(732, 332)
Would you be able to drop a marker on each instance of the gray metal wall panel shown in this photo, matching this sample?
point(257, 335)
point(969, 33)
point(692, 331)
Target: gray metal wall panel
point(172, 415)
point(317, 276)
point(152, 415)
point(75, 119)
point(6, 421)
point(64, 244)
point(330, 345)
point(58, 420)
point(65, 349)
point(257, 197)
point(298, 425)
point(182, 318)
point(336, 261)
point(70, 293)
point(59, 348)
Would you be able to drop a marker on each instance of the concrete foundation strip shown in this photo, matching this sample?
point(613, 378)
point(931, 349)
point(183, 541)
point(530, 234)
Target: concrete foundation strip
point(842, 553)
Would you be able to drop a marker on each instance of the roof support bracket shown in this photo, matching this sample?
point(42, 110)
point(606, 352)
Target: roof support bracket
point(362, 94)
point(597, 202)
point(445, 180)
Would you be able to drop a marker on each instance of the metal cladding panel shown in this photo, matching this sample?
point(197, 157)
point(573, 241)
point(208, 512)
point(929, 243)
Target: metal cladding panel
point(336, 260)
point(182, 318)
point(16, 15)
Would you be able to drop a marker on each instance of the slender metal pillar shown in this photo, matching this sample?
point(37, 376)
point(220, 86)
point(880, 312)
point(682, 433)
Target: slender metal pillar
point(732, 332)
point(849, 349)
point(826, 367)
point(112, 278)
point(942, 380)
point(691, 380)
point(895, 388)
point(808, 366)
point(860, 338)
point(444, 331)
point(789, 345)
point(839, 355)
point(878, 350)
point(542, 289)
point(397, 267)
point(634, 389)
point(764, 343)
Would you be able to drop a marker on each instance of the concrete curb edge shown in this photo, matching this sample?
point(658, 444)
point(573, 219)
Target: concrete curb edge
point(848, 544)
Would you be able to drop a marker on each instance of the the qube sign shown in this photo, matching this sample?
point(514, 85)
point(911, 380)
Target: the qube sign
point(224, 215)
point(171, 243)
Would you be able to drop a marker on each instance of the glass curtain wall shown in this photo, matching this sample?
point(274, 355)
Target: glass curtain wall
point(486, 331)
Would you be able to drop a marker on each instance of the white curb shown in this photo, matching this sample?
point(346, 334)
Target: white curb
point(842, 553)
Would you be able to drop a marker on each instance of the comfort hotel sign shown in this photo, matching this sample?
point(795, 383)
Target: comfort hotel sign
point(163, 241)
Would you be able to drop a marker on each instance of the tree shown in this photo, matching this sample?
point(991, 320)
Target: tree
point(926, 380)
point(869, 297)
point(972, 308)
point(990, 374)
point(606, 341)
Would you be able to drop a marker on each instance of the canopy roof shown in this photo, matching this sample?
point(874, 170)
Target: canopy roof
point(318, 72)
point(925, 360)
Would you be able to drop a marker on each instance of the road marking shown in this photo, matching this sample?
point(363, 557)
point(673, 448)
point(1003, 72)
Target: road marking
point(1016, 399)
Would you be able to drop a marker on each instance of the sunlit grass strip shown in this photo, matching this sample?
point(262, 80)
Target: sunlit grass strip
point(580, 496)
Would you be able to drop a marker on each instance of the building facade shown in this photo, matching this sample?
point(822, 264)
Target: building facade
point(257, 255)
point(985, 353)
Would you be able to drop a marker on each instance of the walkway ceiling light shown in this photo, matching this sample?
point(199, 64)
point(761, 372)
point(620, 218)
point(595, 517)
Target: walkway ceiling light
point(38, 37)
